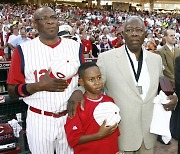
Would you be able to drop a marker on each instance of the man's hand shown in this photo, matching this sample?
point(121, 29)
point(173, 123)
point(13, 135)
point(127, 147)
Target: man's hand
point(172, 104)
point(76, 97)
point(47, 83)
point(105, 131)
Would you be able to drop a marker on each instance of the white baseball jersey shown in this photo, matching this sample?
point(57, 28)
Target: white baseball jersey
point(37, 61)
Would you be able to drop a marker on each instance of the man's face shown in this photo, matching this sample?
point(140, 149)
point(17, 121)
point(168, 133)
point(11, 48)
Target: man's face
point(134, 34)
point(15, 30)
point(170, 38)
point(104, 39)
point(23, 32)
point(47, 23)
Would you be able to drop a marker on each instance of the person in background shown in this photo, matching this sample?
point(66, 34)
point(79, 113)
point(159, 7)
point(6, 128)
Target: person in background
point(168, 54)
point(86, 45)
point(151, 45)
point(95, 49)
point(21, 39)
point(14, 35)
point(105, 44)
point(32, 33)
point(118, 42)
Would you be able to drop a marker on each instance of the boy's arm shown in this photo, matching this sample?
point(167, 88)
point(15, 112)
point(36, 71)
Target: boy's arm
point(103, 132)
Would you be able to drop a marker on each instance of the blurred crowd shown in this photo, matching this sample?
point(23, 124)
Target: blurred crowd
point(98, 30)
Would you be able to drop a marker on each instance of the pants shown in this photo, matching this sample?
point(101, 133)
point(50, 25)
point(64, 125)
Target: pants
point(141, 150)
point(46, 134)
point(175, 122)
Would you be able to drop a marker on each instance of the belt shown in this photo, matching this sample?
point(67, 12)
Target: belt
point(46, 113)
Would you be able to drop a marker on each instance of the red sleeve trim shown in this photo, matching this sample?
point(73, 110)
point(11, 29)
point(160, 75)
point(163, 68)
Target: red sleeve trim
point(20, 90)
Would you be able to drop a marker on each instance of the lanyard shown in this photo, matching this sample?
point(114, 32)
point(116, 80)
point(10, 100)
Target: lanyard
point(140, 61)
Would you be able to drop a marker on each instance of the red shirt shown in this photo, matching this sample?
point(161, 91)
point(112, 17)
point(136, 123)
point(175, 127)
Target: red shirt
point(117, 43)
point(96, 22)
point(83, 123)
point(87, 46)
point(2, 53)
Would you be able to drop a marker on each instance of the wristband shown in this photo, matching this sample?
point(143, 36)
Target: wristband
point(24, 90)
point(21, 90)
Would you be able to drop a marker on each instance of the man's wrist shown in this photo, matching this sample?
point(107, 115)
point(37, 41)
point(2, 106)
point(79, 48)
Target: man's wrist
point(21, 90)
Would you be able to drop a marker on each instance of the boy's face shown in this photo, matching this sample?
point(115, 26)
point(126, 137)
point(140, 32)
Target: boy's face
point(92, 82)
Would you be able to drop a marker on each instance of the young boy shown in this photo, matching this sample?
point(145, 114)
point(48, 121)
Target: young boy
point(84, 134)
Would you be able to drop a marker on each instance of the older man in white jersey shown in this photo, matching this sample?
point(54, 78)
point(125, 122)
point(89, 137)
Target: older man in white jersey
point(46, 88)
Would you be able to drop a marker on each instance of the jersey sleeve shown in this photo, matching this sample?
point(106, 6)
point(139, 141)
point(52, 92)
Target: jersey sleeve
point(73, 129)
point(15, 74)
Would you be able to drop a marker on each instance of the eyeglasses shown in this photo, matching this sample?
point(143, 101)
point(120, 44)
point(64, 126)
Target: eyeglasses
point(46, 18)
point(138, 31)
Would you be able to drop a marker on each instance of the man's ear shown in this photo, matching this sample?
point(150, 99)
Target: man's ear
point(80, 81)
point(146, 31)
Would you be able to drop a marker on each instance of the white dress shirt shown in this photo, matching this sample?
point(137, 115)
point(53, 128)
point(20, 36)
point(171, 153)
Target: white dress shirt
point(144, 79)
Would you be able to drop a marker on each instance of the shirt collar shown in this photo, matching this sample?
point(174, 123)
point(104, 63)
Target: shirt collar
point(133, 56)
point(170, 47)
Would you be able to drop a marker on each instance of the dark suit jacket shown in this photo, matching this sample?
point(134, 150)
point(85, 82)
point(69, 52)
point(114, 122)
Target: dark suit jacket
point(177, 88)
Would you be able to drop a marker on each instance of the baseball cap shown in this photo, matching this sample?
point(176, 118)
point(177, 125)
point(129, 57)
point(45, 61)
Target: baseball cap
point(65, 30)
point(107, 111)
point(64, 67)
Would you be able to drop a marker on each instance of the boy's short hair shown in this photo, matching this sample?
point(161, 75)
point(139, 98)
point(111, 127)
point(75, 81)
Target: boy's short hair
point(84, 66)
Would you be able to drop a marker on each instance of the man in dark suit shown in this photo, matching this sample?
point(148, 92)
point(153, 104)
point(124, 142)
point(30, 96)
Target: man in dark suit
point(177, 88)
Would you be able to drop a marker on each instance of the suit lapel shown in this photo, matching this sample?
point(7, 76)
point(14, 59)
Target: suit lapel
point(150, 68)
point(122, 64)
point(168, 51)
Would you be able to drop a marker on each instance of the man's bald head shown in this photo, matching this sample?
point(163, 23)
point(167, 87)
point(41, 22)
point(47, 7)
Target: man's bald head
point(40, 10)
point(134, 18)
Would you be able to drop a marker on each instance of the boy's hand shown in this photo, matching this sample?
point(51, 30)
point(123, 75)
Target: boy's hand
point(105, 131)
